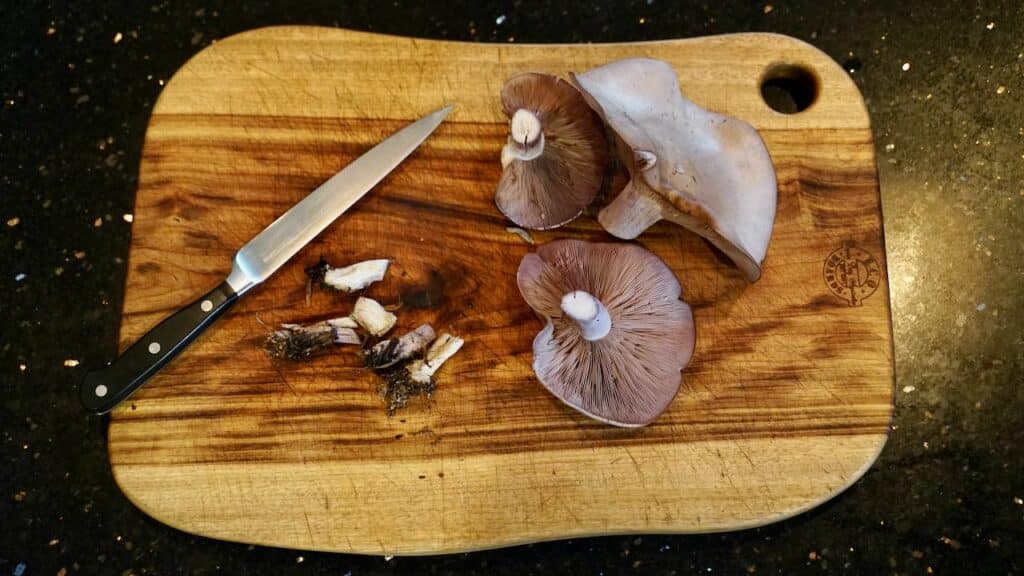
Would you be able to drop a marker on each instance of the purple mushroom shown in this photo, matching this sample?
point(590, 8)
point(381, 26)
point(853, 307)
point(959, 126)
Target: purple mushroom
point(617, 334)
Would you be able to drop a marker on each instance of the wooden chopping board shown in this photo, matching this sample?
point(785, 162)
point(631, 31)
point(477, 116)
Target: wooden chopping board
point(786, 403)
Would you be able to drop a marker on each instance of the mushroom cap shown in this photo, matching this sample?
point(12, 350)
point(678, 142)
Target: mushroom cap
point(631, 375)
point(555, 187)
point(707, 172)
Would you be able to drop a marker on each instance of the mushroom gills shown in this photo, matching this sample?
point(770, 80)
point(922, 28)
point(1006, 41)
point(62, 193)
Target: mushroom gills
point(616, 335)
point(555, 153)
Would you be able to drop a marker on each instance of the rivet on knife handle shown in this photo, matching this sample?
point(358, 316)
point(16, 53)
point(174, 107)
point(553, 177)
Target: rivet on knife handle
point(105, 388)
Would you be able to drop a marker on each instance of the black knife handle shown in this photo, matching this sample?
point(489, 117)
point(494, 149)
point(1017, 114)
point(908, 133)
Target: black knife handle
point(105, 388)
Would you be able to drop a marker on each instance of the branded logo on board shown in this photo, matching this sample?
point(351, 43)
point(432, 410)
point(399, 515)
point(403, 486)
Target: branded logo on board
point(852, 274)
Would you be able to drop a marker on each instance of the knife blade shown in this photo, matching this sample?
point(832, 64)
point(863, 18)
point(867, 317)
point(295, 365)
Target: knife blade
point(254, 262)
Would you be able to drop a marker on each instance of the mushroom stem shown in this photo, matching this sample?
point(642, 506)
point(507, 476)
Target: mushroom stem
point(525, 127)
point(372, 316)
point(387, 353)
point(356, 276)
point(446, 345)
point(589, 313)
point(634, 210)
point(525, 139)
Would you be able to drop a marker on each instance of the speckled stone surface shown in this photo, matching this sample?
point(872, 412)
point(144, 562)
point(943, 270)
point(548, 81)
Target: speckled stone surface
point(944, 82)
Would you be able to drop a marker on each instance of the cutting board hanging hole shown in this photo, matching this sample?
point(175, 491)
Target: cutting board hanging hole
point(790, 88)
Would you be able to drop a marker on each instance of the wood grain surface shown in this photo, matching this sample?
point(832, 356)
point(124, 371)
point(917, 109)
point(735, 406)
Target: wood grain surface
point(786, 403)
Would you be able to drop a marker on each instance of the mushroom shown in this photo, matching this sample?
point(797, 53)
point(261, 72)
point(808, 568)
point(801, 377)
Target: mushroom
point(524, 234)
point(405, 381)
point(297, 342)
point(554, 160)
point(704, 171)
point(617, 335)
point(422, 371)
point(349, 278)
point(372, 316)
point(387, 353)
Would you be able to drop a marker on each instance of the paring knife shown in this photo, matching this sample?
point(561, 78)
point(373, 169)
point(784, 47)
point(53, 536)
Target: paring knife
point(253, 263)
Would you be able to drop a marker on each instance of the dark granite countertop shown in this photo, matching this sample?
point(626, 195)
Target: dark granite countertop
point(944, 83)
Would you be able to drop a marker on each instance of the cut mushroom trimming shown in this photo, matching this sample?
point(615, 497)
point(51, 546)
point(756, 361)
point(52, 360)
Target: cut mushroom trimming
point(402, 381)
point(297, 342)
point(351, 278)
point(406, 364)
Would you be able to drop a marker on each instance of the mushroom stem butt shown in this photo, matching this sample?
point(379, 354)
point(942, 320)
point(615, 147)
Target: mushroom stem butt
point(525, 139)
point(525, 127)
point(387, 353)
point(446, 345)
point(356, 276)
point(589, 313)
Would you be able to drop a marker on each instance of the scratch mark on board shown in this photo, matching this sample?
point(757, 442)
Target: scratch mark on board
point(745, 455)
point(309, 529)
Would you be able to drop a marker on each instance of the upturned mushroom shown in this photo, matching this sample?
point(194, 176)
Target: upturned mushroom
point(422, 371)
point(555, 157)
point(709, 173)
point(617, 335)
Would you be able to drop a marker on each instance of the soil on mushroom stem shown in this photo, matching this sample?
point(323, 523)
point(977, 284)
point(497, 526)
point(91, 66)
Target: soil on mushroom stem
point(300, 343)
point(398, 387)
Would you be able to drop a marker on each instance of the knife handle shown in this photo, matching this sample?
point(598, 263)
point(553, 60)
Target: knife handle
point(105, 388)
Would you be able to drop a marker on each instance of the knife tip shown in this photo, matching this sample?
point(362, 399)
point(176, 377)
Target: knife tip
point(442, 112)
